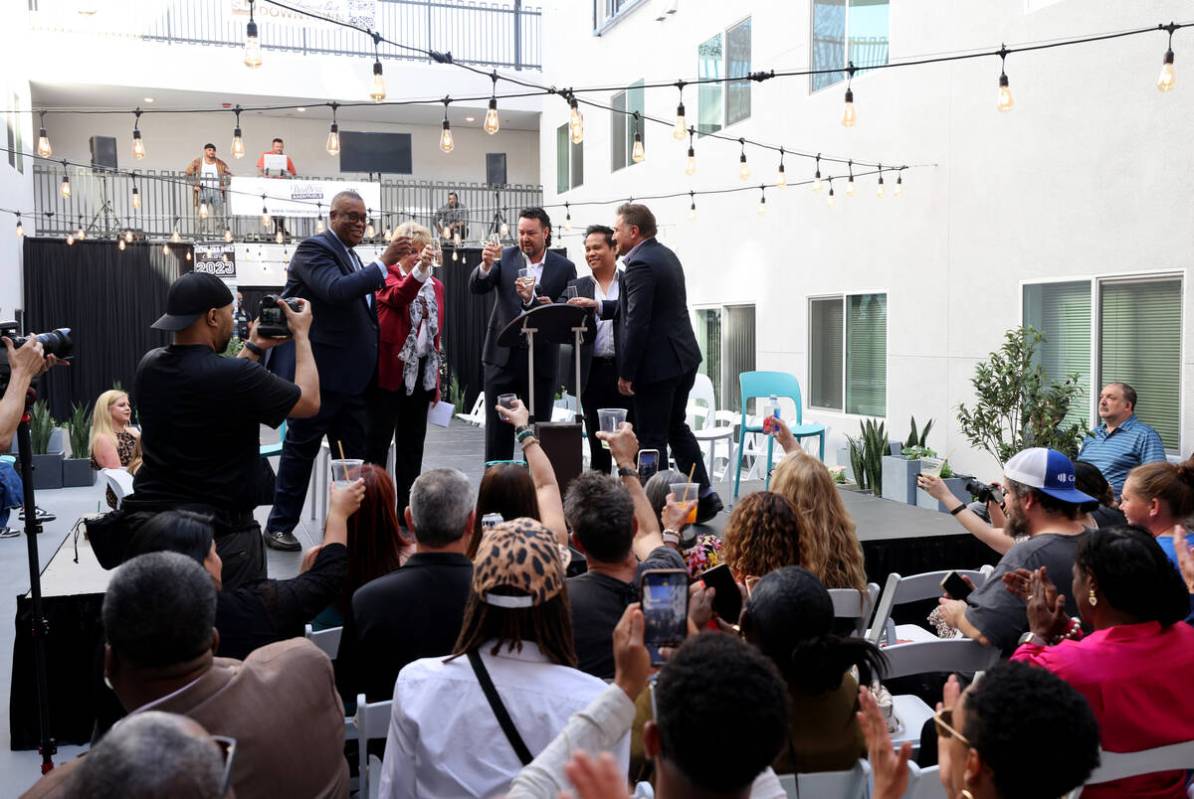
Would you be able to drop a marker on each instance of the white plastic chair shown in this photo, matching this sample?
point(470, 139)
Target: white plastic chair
point(477, 414)
point(120, 481)
point(720, 428)
point(850, 784)
point(914, 588)
point(850, 603)
point(327, 640)
point(1118, 765)
point(372, 721)
point(924, 783)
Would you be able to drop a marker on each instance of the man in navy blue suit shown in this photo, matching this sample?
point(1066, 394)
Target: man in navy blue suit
point(548, 274)
point(327, 272)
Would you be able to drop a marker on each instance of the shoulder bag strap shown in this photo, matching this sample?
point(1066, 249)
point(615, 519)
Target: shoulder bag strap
point(499, 710)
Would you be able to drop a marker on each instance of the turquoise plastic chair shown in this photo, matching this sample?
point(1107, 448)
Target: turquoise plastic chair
point(762, 385)
point(269, 450)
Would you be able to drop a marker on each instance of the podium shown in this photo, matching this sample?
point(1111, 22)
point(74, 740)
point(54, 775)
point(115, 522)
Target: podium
point(553, 324)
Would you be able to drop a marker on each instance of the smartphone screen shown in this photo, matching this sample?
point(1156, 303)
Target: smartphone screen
point(955, 586)
point(727, 599)
point(271, 316)
point(648, 463)
point(664, 595)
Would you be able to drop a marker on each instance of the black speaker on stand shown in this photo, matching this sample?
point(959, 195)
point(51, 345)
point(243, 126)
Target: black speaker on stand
point(103, 152)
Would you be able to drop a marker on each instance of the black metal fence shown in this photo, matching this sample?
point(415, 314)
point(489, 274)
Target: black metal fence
point(101, 204)
point(496, 34)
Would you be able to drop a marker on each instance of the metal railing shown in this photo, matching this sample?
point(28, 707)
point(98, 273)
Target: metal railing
point(494, 34)
point(101, 204)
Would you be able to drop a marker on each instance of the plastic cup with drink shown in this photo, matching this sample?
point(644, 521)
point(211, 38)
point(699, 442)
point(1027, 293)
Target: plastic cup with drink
point(686, 492)
point(345, 471)
point(931, 467)
point(609, 420)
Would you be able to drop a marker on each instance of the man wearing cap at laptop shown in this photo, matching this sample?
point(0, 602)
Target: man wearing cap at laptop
point(201, 414)
point(1041, 503)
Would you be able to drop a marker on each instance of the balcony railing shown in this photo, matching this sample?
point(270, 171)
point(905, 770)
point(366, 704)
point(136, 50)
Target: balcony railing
point(495, 34)
point(101, 204)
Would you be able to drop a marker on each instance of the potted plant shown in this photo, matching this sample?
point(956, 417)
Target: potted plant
point(48, 447)
point(866, 456)
point(901, 467)
point(76, 470)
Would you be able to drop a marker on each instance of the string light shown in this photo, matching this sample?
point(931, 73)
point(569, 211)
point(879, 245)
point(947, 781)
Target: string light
point(370, 231)
point(138, 142)
point(1005, 101)
point(252, 43)
point(743, 167)
point(43, 140)
point(899, 189)
point(503, 230)
point(456, 240)
point(174, 235)
point(80, 233)
point(880, 190)
point(848, 115)
point(64, 186)
point(332, 145)
point(762, 200)
point(782, 180)
point(278, 237)
point(455, 255)
point(692, 205)
point(638, 153)
point(238, 143)
point(446, 142)
point(576, 122)
point(567, 219)
point(188, 255)
point(319, 220)
point(120, 245)
point(70, 239)
point(165, 249)
point(227, 234)
point(1165, 80)
point(830, 199)
point(136, 198)
point(681, 127)
point(266, 219)
point(20, 231)
point(818, 184)
point(203, 209)
point(492, 123)
point(690, 169)
point(378, 90)
point(128, 236)
point(850, 182)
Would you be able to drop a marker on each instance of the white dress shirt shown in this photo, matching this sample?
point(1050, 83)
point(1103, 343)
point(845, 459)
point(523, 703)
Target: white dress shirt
point(603, 345)
point(356, 262)
point(444, 739)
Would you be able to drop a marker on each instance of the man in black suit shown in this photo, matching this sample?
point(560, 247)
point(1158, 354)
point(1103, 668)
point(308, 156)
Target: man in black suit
point(598, 355)
point(659, 356)
point(327, 272)
point(548, 274)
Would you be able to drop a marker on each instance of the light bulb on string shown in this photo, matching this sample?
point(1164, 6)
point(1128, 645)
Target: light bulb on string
point(175, 238)
point(690, 169)
point(899, 189)
point(692, 205)
point(20, 231)
point(238, 143)
point(1165, 80)
point(70, 239)
point(319, 217)
point(762, 200)
point(1005, 101)
point(849, 116)
point(64, 186)
point(203, 213)
point(120, 245)
point(567, 219)
point(638, 153)
point(503, 230)
point(370, 231)
point(138, 142)
point(128, 236)
point(830, 199)
point(743, 167)
point(492, 124)
point(446, 143)
point(332, 145)
point(136, 199)
point(680, 129)
point(457, 241)
point(80, 233)
point(43, 139)
point(266, 219)
point(252, 43)
point(278, 237)
point(319, 226)
point(818, 184)
point(377, 90)
point(576, 122)
point(781, 179)
point(880, 189)
point(455, 255)
point(850, 183)
point(227, 234)
point(165, 249)
point(188, 255)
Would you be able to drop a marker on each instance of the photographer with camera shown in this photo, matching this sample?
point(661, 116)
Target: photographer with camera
point(201, 415)
point(25, 362)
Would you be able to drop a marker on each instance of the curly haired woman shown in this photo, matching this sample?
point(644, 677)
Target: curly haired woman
point(763, 534)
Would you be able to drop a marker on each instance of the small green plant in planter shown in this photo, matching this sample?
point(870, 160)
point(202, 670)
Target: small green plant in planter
point(916, 452)
point(866, 455)
point(76, 470)
point(918, 439)
point(41, 427)
point(946, 471)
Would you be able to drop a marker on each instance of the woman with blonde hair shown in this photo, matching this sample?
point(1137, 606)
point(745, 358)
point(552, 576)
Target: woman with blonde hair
point(113, 441)
point(410, 319)
point(828, 540)
point(1157, 496)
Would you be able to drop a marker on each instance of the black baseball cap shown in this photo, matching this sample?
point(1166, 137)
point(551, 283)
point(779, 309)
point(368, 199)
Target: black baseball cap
point(191, 296)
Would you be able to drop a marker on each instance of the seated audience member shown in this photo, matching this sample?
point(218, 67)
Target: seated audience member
point(619, 544)
point(828, 541)
point(113, 439)
point(1042, 504)
point(747, 716)
point(1089, 480)
point(763, 534)
point(701, 551)
point(517, 492)
point(376, 546)
point(262, 611)
point(1017, 733)
point(416, 611)
point(1131, 596)
point(789, 618)
point(445, 738)
point(1157, 496)
point(280, 703)
point(1122, 442)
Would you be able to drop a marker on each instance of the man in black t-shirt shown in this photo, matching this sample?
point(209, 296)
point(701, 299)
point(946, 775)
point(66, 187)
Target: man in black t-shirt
point(201, 414)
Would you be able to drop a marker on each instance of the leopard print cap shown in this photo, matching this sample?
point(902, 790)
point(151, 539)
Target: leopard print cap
point(521, 555)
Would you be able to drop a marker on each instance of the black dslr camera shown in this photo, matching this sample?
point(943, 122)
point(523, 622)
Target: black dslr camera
point(271, 320)
point(56, 342)
point(983, 492)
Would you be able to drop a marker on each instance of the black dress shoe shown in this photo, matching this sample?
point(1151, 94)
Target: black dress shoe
point(283, 541)
point(709, 506)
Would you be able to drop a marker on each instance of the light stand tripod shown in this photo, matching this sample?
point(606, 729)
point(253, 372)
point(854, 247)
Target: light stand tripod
point(106, 209)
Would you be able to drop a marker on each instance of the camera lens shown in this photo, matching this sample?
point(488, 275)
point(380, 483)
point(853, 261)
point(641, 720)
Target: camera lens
point(57, 342)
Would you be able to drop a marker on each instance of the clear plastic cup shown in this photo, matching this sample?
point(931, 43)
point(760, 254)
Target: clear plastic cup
point(346, 470)
point(609, 419)
point(931, 467)
point(507, 400)
point(687, 492)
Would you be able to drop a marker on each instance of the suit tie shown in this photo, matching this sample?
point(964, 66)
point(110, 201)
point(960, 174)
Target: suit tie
point(356, 267)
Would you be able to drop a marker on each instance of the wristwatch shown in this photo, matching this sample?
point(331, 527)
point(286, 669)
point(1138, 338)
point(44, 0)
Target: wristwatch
point(1032, 638)
point(671, 537)
point(627, 471)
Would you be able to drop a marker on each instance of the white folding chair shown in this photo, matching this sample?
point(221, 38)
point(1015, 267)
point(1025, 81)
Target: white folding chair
point(327, 640)
point(477, 414)
point(924, 783)
point(372, 721)
point(720, 428)
point(849, 784)
point(1118, 765)
point(120, 481)
point(902, 590)
point(850, 603)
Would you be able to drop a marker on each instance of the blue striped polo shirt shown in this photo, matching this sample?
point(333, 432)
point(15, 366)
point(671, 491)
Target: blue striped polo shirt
point(1122, 450)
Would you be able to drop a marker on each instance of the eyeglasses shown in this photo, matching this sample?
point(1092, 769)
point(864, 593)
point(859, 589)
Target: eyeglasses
point(228, 749)
point(351, 216)
point(943, 720)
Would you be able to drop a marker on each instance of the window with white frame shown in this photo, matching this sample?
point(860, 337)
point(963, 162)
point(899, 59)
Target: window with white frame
point(847, 363)
point(1135, 339)
point(721, 105)
point(845, 31)
point(726, 337)
point(570, 162)
point(624, 124)
point(607, 12)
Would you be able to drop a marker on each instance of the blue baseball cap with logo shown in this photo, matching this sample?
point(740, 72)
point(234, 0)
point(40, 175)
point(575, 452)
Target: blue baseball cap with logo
point(1049, 472)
